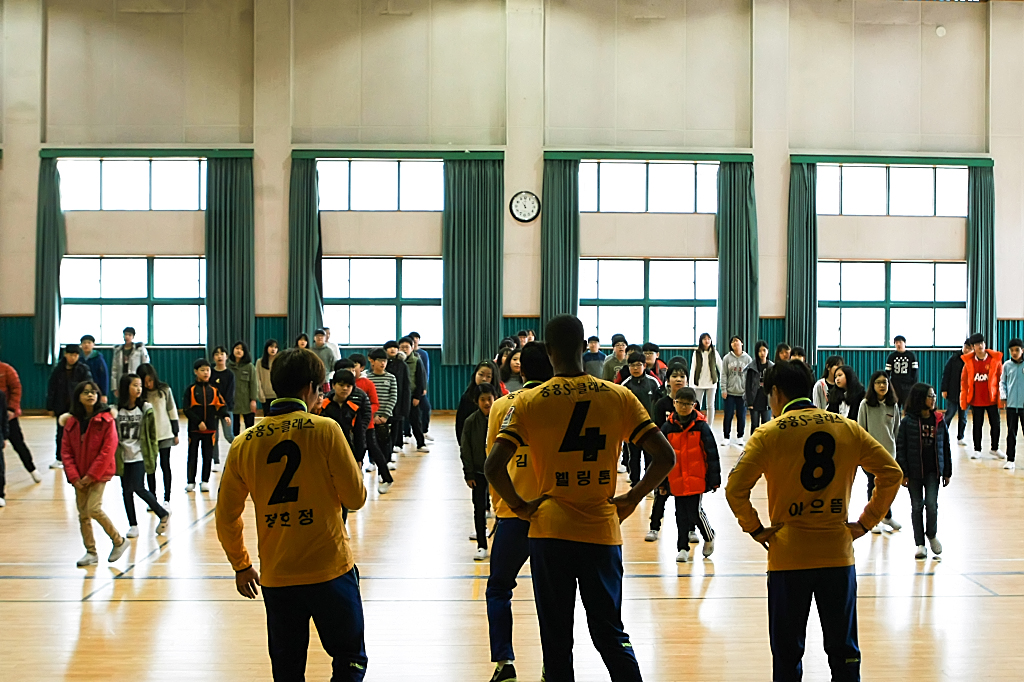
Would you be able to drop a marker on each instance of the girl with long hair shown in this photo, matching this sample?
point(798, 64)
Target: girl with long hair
point(159, 395)
point(485, 372)
point(510, 372)
point(879, 415)
point(137, 450)
point(267, 394)
point(845, 396)
point(705, 372)
point(247, 386)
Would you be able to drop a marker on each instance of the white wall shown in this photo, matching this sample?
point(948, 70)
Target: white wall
point(619, 235)
point(135, 233)
point(356, 233)
point(892, 238)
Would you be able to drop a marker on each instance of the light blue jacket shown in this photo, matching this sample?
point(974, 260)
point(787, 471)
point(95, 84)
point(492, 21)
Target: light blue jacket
point(1011, 384)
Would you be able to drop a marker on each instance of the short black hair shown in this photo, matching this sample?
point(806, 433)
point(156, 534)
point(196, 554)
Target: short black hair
point(483, 388)
point(128, 330)
point(634, 357)
point(734, 337)
point(678, 367)
point(650, 348)
point(522, 332)
point(343, 376)
point(72, 349)
point(899, 337)
point(378, 354)
point(633, 348)
point(414, 335)
point(87, 337)
point(1016, 343)
point(294, 370)
point(358, 359)
point(686, 393)
point(405, 339)
point(391, 344)
point(975, 339)
point(201, 362)
point(344, 363)
point(534, 364)
point(219, 349)
point(832, 361)
point(792, 377)
point(591, 339)
point(798, 350)
point(618, 338)
point(564, 336)
point(781, 348)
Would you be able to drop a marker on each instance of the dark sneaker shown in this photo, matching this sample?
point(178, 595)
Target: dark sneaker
point(506, 673)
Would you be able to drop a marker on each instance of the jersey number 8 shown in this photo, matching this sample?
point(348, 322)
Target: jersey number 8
point(819, 449)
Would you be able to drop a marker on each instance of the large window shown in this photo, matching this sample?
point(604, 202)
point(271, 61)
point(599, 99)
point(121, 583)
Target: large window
point(132, 184)
point(380, 185)
point(669, 302)
point(871, 189)
point(163, 298)
point(649, 186)
point(866, 304)
point(368, 301)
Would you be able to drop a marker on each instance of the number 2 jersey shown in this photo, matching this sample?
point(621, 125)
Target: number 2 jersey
point(574, 427)
point(809, 458)
point(299, 471)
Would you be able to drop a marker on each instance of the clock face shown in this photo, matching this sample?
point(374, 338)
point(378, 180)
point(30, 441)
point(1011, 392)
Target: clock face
point(525, 206)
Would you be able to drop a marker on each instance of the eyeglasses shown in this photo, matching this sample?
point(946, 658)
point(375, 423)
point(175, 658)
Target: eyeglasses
point(87, 392)
point(883, 382)
point(931, 395)
point(684, 403)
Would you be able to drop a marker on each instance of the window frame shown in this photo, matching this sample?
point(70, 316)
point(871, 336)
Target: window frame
point(399, 301)
point(203, 170)
point(150, 301)
point(888, 304)
point(934, 167)
point(647, 302)
point(696, 163)
point(398, 185)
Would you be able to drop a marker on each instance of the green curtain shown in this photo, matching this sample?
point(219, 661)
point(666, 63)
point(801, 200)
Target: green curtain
point(305, 252)
point(51, 245)
point(560, 239)
point(981, 253)
point(230, 252)
point(802, 260)
point(736, 231)
point(472, 247)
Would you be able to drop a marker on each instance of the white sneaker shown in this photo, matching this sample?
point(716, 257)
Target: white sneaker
point(392, 465)
point(3, 502)
point(683, 556)
point(921, 552)
point(893, 524)
point(693, 537)
point(369, 467)
point(975, 454)
point(472, 536)
point(35, 476)
point(161, 527)
point(423, 448)
point(726, 441)
point(741, 440)
point(190, 487)
point(997, 454)
point(215, 466)
point(396, 450)
point(622, 468)
point(87, 560)
point(961, 441)
point(56, 464)
point(133, 532)
point(652, 536)
point(480, 555)
point(1010, 466)
point(709, 548)
point(117, 551)
point(490, 514)
point(935, 545)
point(383, 488)
point(877, 530)
point(204, 487)
point(407, 439)
point(428, 437)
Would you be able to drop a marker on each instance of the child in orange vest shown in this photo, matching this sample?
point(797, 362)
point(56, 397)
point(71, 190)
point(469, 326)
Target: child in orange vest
point(697, 470)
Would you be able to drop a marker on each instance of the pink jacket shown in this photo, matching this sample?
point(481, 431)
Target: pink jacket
point(90, 453)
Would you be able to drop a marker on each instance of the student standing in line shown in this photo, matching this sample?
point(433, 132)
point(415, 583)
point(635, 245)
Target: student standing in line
point(90, 441)
point(782, 352)
point(901, 366)
point(263, 366)
point(922, 451)
point(247, 387)
point(755, 397)
point(593, 359)
point(665, 407)
point(827, 381)
point(64, 379)
point(646, 389)
point(417, 387)
point(734, 385)
point(327, 355)
point(1011, 392)
point(127, 358)
point(510, 372)
point(879, 415)
point(10, 385)
point(397, 367)
point(617, 360)
point(330, 344)
point(350, 408)
point(798, 353)
point(354, 364)
point(473, 451)
point(302, 341)
point(705, 372)
point(521, 338)
point(847, 394)
point(387, 395)
point(531, 336)
point(425, 408)
point(137, 450)
point(203, 406)
point(159, 395)
point(223, 379)
point(979, 388)
point(950, 388)
point(484, 373)
point(97, 365)
point(654, 364)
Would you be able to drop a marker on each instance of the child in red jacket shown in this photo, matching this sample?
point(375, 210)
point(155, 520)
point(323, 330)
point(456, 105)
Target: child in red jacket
point(87, 451)
point(979, 390)
point(697, 470)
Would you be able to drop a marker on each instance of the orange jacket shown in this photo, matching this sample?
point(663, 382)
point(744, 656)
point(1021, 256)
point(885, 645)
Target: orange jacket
point(995, 371)
point(697, 469)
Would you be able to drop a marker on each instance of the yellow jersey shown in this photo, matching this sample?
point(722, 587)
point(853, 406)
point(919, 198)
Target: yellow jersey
point(809, 458)
point(299, 471)
point(574, 427)
point(519, 469)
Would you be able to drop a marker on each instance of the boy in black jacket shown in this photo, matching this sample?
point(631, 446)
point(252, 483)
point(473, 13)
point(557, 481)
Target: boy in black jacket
point(645, 387)
point(400, 370)
point(418, 386)
point(203, 406)
point(350, 407)
point(68, 373)
point(950, 389)
point(901, 368)
point(473, 449)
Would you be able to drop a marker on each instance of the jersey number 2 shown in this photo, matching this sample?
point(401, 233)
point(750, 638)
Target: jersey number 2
point(819, 449)
point(286, 449)
point(590, 440)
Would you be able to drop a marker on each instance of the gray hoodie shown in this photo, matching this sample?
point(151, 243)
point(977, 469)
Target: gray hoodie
point(882, 422)
point(734, 378)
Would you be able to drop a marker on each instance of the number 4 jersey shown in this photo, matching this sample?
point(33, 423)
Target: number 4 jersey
point(574, 427)
point(299, 471)
point(809, 458)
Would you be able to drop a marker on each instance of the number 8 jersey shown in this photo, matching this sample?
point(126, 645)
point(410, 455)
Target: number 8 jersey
point(809, 458)
point(574, 427)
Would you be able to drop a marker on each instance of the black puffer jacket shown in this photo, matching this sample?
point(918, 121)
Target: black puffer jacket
point(908, 447)
point(62, 384)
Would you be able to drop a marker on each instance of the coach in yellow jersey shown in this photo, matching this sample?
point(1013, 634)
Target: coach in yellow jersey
point(300, 473)
point(809, 458)
point(574, 426)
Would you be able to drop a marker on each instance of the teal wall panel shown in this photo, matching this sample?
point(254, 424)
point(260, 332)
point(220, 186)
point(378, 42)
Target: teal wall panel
point(510, 326)
point(865, 362)
point(771, 330)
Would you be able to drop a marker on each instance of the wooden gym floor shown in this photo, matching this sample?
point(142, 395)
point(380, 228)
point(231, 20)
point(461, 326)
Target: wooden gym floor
point(168, 609)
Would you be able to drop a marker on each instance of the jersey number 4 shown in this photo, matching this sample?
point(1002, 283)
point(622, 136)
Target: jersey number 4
point(590, 441)
point(286, 449)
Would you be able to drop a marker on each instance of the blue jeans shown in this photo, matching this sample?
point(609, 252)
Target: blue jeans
point(734, 404)
point(558, 566)
point(924, 494)
point(337, 610)
point(789, 603)
point(510, 548)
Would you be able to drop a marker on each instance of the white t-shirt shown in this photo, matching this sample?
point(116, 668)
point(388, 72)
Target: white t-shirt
point(129, 428)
